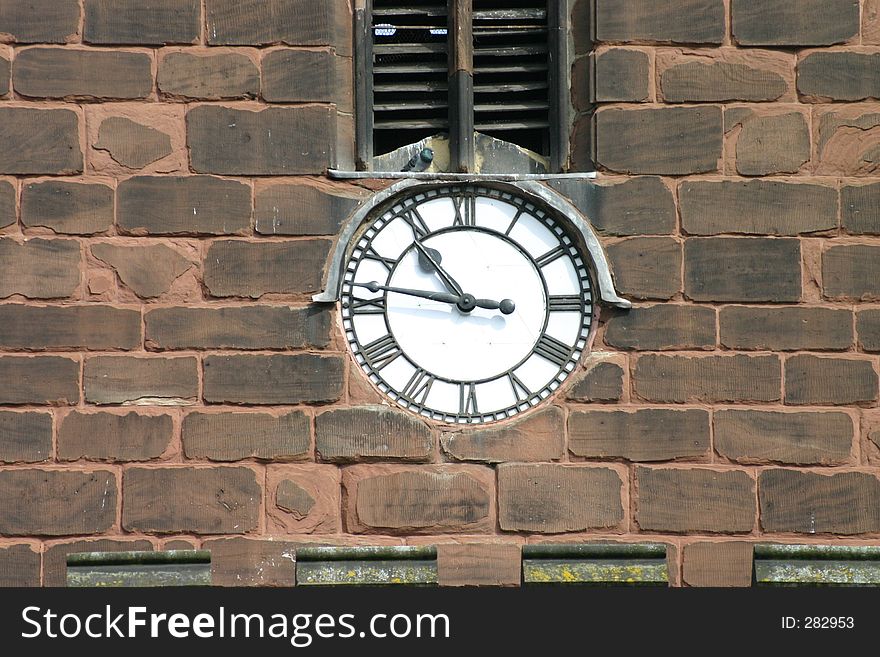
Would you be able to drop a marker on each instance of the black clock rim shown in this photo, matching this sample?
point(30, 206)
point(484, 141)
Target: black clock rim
point(586, 297)
point(532, 400)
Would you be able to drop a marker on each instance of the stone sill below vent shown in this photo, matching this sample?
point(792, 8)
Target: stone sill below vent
point(124, 569)
point(596, 564)
point(816, 565)
point(366, 566)
point(476, 177)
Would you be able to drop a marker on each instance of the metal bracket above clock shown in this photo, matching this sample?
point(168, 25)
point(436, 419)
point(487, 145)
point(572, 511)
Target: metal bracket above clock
point(530, 188)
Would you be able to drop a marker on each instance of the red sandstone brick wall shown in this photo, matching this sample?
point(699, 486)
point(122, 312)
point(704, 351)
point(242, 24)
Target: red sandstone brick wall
point(164, 219)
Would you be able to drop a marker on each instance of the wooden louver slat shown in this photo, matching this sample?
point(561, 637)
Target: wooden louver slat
point(402, 10)
point(411, 124)
point(511, 125)
point(409, 49)
point(536, 13)
point(406, 86)
point(513, 106)
point(403, 106)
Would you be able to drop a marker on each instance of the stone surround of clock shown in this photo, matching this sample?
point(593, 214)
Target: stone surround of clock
point(166, 215)
point(442, 357)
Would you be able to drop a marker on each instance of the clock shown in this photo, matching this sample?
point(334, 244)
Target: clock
point(466, 303)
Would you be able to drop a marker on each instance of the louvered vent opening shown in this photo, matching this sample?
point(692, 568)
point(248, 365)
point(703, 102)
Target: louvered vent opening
point(410, 71)
point(511, 72)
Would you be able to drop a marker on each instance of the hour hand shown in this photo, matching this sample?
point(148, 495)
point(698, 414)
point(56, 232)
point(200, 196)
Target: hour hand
point(443, 297)
point(506, 306)
point(467, 302)
point(428, 254)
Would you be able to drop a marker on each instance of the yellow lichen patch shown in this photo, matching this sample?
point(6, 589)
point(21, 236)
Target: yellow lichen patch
point(594, 572)
point(367, 572)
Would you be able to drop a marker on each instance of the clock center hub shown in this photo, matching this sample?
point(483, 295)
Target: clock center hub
point(463, 341)
point(467, 303)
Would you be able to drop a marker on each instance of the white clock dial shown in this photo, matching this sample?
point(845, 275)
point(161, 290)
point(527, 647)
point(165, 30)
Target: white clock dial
point(466, 304)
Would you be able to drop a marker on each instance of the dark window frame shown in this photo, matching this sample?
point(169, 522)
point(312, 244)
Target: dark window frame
point(460, 90)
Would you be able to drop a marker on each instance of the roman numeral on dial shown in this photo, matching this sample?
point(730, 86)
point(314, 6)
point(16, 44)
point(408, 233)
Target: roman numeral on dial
point(513, 221)
point(465, 210)
point(550, 256)
point(418, 388)
point(520, 389)
point(554, 350)
point(371, 254)
point(381, 352)
point(367, 306)
point(467, 399)
point(564, 302)
point(416, 223)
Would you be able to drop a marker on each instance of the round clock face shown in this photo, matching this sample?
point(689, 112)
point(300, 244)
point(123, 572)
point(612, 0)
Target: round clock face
point(466, 304)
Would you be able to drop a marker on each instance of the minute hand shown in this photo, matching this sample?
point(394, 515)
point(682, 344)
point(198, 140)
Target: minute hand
point(450, 282)
point(465, 302)
point(443, 297)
